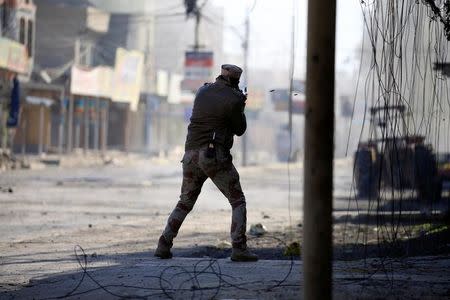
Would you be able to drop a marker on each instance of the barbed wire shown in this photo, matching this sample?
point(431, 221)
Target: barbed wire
point(204, 280)
point(404, 42)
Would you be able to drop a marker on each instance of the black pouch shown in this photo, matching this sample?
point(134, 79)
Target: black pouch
point(211, 151)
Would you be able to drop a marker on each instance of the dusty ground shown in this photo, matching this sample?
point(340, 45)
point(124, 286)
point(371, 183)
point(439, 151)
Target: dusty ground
point(116, 212)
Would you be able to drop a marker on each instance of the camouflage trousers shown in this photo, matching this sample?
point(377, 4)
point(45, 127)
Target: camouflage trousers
point(220, 169)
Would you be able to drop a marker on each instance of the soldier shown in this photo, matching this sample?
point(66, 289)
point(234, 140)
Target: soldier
point(217, 115)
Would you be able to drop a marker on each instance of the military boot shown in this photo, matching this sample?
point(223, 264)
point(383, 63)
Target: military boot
point(163, 250)
point(243, 254)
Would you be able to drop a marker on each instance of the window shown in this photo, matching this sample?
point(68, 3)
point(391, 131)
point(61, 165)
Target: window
point(30, 38)
point(22, 31)
point(5, 17)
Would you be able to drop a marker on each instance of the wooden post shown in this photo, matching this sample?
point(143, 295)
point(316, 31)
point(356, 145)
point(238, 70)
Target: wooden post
point(61, 124)
point(97, 124)
point(77, 133)
point(127, 138)
point(245, 82)
point(104, 126)
point(2, 129)
point(159, 129)
point(48, 136)
point(86, 126)
point(70, 125)
point(24, 138)
point(41, 129)
point(318, 161)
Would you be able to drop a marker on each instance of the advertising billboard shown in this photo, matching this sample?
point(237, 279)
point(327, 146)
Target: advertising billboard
point(128, 77)
point(94, 82)
point(197, 69)
point(13, 56)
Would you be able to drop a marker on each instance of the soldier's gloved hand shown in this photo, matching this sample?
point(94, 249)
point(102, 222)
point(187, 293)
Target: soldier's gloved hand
point(244, 99)
point(243, 96)
point(244, 102)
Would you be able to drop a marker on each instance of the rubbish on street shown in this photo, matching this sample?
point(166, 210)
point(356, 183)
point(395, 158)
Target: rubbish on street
point(257, 229)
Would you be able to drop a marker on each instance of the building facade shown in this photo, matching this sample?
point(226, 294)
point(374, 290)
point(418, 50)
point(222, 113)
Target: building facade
point(18, 24)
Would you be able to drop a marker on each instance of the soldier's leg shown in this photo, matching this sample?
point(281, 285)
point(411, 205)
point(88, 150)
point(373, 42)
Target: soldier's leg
point(193, 179)
point(226, 178)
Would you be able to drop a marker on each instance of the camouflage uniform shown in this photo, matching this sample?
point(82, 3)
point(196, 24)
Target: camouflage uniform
point(196, 169)
point(217, 115)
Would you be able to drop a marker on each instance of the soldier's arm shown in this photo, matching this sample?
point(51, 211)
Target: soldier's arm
point(238, 120)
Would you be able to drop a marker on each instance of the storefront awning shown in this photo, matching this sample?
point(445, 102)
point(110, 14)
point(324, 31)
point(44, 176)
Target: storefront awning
point(39, 100)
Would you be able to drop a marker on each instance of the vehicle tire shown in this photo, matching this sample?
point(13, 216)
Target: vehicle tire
point(438, 189)
point(427, 183)
point(365, 174)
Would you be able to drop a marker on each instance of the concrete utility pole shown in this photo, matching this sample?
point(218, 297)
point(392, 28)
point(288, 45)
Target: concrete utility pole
point(41, 129)
point(291, 77)
point(86, 125)
point(104, 135)
point(61, 122)
point(318, 163)
point(245, 81)
point(70, 124)
point(197, 30)
point(97, 124)
point(193, 9)
point(76, 62)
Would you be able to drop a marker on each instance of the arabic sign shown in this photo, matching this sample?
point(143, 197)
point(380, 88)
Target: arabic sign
point(128, 77)
point(13, 56)
point(197, 69)
point(94, 82)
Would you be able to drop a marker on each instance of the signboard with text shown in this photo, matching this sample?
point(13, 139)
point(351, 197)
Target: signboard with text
point(128, 77)
point(13, 56)
point(94, 82)
point(197, 69)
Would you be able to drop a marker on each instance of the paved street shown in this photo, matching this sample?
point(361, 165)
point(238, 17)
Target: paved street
point(140, 195)
point(116, 213)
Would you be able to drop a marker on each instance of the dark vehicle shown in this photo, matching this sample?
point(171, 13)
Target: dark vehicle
point(444, 170)
point(395, 160)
